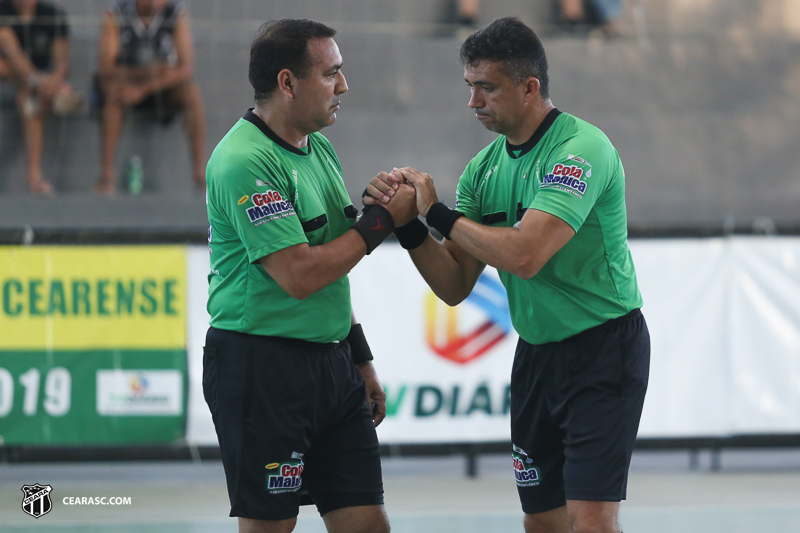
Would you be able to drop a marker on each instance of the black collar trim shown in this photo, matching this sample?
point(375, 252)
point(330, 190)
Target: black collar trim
point(528, 145)
point(261, 125)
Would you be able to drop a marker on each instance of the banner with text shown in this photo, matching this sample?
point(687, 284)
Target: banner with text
point(92, 344)
point(724, 320)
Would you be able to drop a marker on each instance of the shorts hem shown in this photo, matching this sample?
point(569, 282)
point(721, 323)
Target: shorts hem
point(542, 507)
point(327, 502)
point(595, 496)
point(283, 514)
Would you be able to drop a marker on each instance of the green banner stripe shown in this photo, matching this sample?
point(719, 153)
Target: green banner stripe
point(93, 397)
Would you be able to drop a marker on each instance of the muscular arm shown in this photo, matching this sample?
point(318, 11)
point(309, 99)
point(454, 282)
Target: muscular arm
point(375, 393)
point(521, 251)
point(60, 58)
point(450, 271)
point(108, 47)
point(301, 270)
point(11, 49)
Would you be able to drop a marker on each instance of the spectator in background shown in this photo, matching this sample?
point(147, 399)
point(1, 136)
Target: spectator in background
point(34, 54)
point(600, 14)
point(468, 12)
point(145, 60)
point(457, 15)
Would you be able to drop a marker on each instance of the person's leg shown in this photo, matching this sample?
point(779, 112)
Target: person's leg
point(362, 519)
point(593, 517)
point(113, 113)
point(6, 72)
point(343, 464)
point(538, 448)
point(553, 521)
point(188, 97)
point(608, 368)
point(251, 525)
point(32, 119)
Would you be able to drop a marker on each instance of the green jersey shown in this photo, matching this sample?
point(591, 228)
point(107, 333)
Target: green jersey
point(569, 169)
point(264, 195)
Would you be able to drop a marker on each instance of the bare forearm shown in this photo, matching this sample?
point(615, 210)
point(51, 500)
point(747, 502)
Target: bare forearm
point(501, 248)
point(305, 270)
point(21, 65)
point(449, 279)
point(164, 78)
point(60, 59)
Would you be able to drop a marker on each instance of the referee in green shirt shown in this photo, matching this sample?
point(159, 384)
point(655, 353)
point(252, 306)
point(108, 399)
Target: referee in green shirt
point(287, 372)
point(544, 204)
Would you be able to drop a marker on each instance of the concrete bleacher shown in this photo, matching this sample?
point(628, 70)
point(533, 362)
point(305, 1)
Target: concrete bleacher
point(700, 98)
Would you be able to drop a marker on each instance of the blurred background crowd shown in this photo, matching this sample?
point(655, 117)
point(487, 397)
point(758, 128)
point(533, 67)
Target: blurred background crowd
point(700, 97)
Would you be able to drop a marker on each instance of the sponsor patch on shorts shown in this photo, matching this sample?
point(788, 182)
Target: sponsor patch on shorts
point(285, 477)
point(525, 473)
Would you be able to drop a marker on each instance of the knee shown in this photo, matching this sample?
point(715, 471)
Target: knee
point(548, 522)
point(594, 525)
point(113, 93)
point(251, 525)
point(594, 528)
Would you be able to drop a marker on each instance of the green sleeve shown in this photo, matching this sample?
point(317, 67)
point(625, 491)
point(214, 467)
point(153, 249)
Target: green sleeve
point(577, 173)
point(466, 200)
point(258, 201)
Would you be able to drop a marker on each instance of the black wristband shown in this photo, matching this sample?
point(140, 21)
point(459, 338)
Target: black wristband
point(442, 218)
point(374, 226)
point(359, 349)
point(412, 235)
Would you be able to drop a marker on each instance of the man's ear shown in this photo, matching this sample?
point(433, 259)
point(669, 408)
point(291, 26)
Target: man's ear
point(286, 83)
point(532, 87)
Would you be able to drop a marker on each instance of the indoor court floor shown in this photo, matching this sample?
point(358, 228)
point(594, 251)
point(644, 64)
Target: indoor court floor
point(753, 491)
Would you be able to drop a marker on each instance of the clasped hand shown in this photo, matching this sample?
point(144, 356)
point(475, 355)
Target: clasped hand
point(390, 188)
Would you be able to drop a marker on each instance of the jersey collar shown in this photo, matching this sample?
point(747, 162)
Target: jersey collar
point(517, 151)
point(256, 121)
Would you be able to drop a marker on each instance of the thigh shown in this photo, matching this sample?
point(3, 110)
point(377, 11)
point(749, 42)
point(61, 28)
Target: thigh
point(263, 417)
point(604, 394)
point(343, 465)
point(538, 449)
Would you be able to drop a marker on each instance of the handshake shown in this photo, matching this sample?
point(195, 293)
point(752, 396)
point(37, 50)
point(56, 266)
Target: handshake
point(404, 192)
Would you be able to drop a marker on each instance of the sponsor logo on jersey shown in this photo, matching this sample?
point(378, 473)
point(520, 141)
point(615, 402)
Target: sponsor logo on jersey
point(267, 207)
point(526, 474)
point(243, 199)
point(567, 178)
point(285, 477)
point(573, 157)
point(484, 180)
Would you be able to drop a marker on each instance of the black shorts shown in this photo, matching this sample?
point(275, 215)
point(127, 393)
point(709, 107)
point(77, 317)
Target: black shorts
point(575, 410)
point(293, 425)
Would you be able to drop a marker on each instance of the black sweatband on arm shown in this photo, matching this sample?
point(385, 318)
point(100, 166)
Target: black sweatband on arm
point(375, 224)
point(442, 218)
point(412, 235)
point(359, 349)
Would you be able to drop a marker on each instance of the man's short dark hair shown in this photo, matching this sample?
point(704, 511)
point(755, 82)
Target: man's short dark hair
point(282, 44)
point(512, 43)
